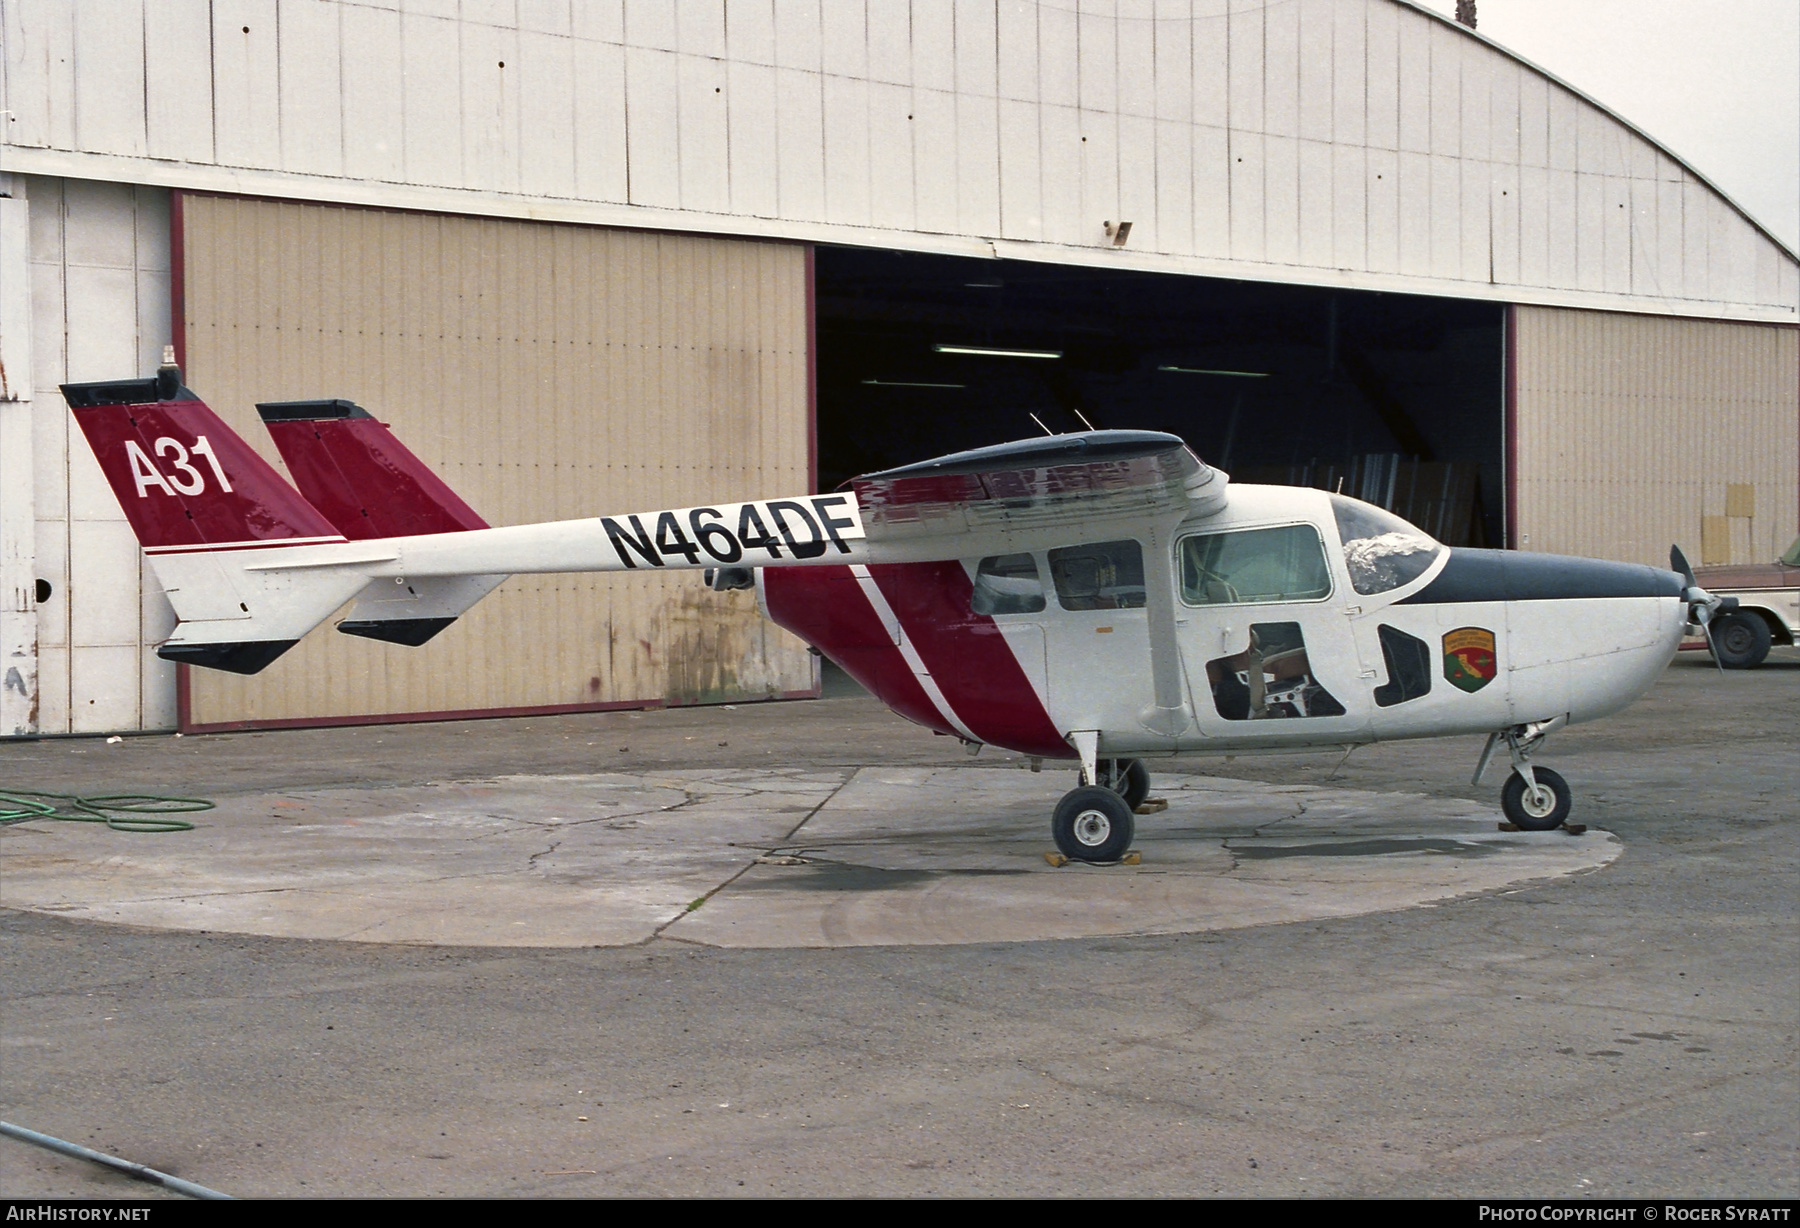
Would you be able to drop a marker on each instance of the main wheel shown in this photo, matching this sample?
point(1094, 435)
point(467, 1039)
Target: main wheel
point(1129, 778)
point(1740, 639)
point(1092, 823)
point(1545, 810)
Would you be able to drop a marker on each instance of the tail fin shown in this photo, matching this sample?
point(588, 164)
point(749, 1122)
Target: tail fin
point(185, 479)
point(365, 481)
point(370, 485)
point(206, 508)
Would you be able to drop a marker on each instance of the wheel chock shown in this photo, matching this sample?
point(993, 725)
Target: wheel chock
point(1505, 826)
point(1153, 805)
point(1133, 858)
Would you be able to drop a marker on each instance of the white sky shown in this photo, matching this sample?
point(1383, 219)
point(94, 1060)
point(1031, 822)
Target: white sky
point(1715, 81)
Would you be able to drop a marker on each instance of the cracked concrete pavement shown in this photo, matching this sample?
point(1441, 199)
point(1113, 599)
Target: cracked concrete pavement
point(1625, 1031)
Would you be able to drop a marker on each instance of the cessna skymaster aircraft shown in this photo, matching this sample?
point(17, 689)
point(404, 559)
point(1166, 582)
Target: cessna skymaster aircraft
point(1104, 596)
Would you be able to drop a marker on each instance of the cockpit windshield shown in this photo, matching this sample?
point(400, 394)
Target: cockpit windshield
point(1382, 551)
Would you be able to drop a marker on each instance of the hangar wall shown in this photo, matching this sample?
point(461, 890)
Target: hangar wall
point(546, 372)
point(99, 280)
point(1635, 432)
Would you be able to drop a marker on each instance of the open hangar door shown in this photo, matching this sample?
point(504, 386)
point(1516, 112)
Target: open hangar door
point(1396, 399)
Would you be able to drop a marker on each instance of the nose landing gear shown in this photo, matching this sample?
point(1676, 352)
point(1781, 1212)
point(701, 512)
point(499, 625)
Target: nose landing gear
point(1533, 798)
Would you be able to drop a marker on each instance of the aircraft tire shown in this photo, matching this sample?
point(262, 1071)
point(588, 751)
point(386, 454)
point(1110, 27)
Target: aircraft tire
point(1092, 823)
point(1129, 778)
point(1529, 817)
point(1740, 639)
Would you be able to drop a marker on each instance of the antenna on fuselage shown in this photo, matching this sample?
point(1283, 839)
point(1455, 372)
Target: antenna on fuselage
point(1040, 423)
point(1084, 420)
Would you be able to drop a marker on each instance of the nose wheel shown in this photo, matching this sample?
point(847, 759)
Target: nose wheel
point(1538, 805)
point(1093, 823)
point(1129, 778)
point(1533, 798)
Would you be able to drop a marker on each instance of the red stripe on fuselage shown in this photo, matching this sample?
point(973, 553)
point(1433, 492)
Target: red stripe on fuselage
point(826, 607)
point(968, 656)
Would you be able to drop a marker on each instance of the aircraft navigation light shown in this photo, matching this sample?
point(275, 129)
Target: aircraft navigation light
point(983, 351)
point(1210, 371)
point(906, 383)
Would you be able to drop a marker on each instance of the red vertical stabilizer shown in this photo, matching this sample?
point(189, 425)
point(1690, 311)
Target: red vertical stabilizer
point(365, 481)
point(186, 480)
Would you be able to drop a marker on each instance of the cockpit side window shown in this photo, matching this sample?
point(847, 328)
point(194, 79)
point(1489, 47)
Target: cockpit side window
point(1100, 576)
point(1007, 584)
point(1254, 566)
point(1382, 551)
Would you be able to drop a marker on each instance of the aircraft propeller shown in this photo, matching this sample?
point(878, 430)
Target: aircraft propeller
point(1702, 605)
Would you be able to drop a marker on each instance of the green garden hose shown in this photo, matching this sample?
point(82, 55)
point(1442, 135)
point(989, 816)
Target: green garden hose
point(142, 812)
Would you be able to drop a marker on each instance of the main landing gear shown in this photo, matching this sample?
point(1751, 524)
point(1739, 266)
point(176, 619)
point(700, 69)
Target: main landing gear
point(1533, 798)
point(1095, 822)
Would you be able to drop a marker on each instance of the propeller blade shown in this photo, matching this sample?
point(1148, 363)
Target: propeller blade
point(1678, 563)
point(1711, 648)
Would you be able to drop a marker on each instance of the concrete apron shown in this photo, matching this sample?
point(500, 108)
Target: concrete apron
point(771, 858)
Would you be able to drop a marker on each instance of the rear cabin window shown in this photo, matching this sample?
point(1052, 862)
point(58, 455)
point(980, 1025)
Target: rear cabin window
point(1008, 584)
point(1254, 566)
point(1101, 576)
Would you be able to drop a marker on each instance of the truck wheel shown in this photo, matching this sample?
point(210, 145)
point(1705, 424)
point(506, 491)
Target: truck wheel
point(1740, 639)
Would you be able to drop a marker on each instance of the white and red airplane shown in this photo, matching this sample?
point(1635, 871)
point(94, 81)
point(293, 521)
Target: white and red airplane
point(1104, 597)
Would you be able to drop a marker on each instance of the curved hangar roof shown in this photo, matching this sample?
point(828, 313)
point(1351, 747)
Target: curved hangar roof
point(1362, 143)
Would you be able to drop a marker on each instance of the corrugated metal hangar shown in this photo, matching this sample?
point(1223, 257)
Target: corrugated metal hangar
point(589, 257)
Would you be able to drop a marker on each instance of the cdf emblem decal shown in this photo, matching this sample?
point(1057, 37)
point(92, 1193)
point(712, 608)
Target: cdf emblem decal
point(1469, 658)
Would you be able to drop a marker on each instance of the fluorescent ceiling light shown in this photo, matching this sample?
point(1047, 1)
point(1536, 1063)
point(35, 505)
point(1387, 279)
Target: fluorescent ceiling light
point(986, 352)
point(1210, 371)
point(906, 383)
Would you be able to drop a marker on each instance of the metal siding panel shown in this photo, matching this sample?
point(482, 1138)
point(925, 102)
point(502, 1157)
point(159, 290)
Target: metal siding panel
point(750, 32)
point(1615, 206)
point(1382, 74)
point(797, 34)
point(703, 151)
point(432, 105)
point(1503, 198)
point(1382, 180)
point(1318, 232)
point(599, 138)
point(1176, 208)
point(847, 151)
point(1415, 214)
point(1590, 231)
point(1475, 127)
point(490, 107)
point(1021, 200)
point(1099, 175)
point(889, 26)
point(891, 157)
point(844, 39)
point(652, 104)
point(1477, 260)
point(700, 28)
point(933, 161)
point(754, 157)
point(1281, 200)
point(1244, 68)
point(977, 49)
point(1446, 48)
point(311, 88)
point(374, 128)
point(108, 62)
point(1136, 177)
point(1446, 217)
point(1135, 58)
point(977, 165)
point(800, 144)
point(1060, 146)
point(1212, 191)
point(1317, 66)
point(651, 25)
point(1016, 32)
point(1534, 119)
point(1247, 214)
point(178, 101)
point(1211, 48)
point(1349, 203)
point(1562, 228)
point(547, 138)
point(1413, 65)
point(933, 45)
point(1097, 37)
point(246, 83)
point(1504, 113)
point(39, 50)
point(1563, 129)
